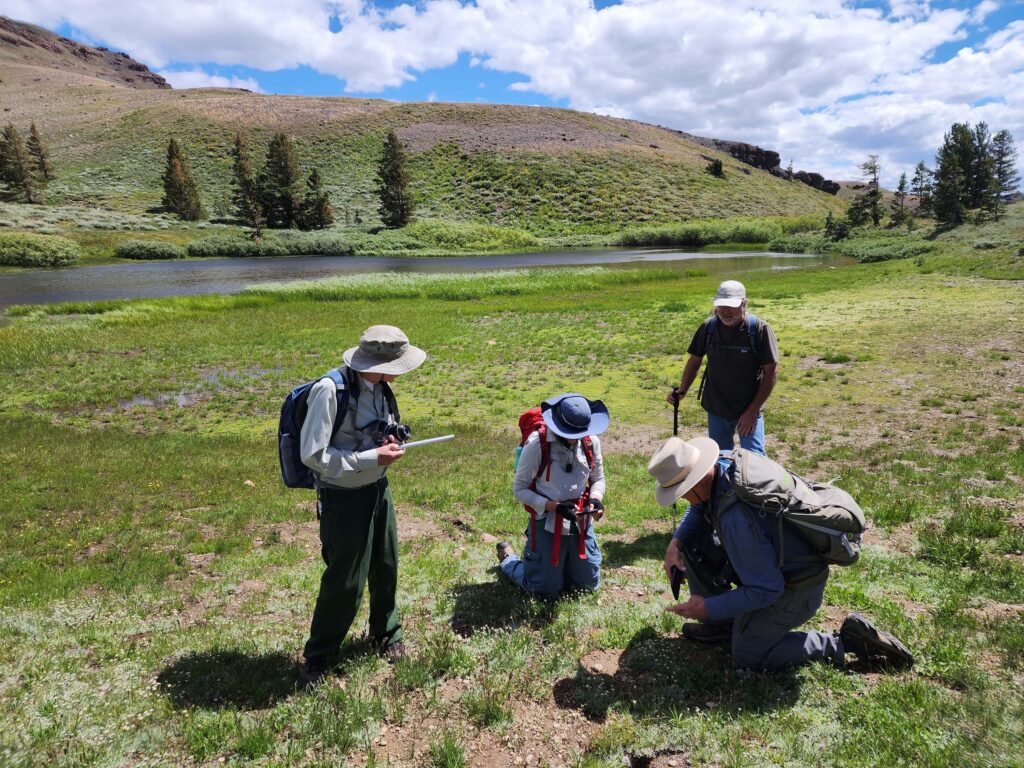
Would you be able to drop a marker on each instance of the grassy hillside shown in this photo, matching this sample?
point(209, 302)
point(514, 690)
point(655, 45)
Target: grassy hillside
point(549, 170)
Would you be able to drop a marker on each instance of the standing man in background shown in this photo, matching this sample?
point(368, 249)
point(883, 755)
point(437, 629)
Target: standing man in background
point(743, 356)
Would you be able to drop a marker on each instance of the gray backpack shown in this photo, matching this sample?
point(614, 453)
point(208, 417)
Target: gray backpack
point(827, 517)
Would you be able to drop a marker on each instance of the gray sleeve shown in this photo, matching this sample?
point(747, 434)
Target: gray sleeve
point(767, 346)
point(315, 439)
point(529, 462)
point(597, 473)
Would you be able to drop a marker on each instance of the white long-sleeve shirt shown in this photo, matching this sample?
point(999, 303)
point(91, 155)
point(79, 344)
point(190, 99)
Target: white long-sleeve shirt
point(563, 485)
point(350, 459)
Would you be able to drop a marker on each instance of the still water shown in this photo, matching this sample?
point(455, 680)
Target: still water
point(186, 278)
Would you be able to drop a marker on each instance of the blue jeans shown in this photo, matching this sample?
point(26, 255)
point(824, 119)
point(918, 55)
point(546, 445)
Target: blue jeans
point(535, 573)
point(722, 431)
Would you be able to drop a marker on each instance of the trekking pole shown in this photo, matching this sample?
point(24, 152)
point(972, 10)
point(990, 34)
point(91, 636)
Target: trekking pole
point(675, 433)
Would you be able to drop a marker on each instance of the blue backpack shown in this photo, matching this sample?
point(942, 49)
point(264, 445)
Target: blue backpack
point(294, 473)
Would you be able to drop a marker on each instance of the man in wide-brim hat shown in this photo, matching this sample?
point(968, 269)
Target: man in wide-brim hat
point(358, 529)
point(719, 545)
point(560, 480)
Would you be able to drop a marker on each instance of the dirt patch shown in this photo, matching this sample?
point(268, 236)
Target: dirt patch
point(995, 611)
point(805, 363)
point(901, 539)
point(642, 439)
point(604, 662)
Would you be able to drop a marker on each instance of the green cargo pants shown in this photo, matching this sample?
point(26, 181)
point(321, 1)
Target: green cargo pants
point(359, 544)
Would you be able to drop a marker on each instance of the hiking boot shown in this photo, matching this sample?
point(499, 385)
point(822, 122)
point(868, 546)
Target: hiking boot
point(504, 549)
point(862, 638)
point(393, 653)
point(711, 634)
point(313, 672)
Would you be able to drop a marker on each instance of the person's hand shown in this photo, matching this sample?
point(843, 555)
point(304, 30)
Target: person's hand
point(691, 609)
point(389, 453)
point(674, 396)
point(673, 557)
point(747, 422)
point(595, 509)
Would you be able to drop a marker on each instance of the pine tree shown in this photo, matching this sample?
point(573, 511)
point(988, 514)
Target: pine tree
point(898, 206)
point(868, 205)
point(246, 195)
point(981, 178)
point(952, 167)
point(1004, 167)
point(279, 183)
point(16, 165)
point(316, 207)
point(41, 155)
point(922, 188)
point(181, 196)
point(396, 205)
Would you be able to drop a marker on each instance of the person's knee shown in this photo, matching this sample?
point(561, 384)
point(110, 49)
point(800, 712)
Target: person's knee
point(747, 652)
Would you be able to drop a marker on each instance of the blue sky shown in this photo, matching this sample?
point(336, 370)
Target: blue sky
point(823, 82)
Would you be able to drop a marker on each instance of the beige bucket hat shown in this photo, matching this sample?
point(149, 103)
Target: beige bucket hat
point(384, 349)
point(679, 465)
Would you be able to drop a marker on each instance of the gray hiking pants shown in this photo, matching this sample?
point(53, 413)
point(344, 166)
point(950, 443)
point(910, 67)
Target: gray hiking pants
point(764, 639)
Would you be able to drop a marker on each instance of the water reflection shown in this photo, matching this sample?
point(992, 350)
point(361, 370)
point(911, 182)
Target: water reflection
point(184, 278)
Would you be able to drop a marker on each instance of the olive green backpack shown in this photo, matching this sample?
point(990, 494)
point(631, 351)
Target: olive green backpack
point(825, 516)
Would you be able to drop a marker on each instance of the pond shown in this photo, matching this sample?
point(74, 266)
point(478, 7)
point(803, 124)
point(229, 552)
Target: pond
point(190, 277)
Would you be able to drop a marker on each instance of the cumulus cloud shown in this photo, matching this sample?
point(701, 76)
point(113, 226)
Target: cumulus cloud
point(822, 83)
point(197, 78)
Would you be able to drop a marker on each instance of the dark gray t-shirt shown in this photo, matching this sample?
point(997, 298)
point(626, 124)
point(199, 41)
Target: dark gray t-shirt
point(733, 371)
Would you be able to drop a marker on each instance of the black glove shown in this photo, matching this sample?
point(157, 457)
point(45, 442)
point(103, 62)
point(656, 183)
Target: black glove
point(594, 505)
point(566, 509)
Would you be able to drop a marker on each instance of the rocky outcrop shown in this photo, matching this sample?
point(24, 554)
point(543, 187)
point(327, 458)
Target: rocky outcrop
point(765, 159)
point(27, 44)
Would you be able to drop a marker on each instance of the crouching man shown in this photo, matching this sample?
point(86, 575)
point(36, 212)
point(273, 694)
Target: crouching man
point(560, 480)
point(723, 541)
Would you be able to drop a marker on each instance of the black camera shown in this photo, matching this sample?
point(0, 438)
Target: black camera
point(380, 431)
point(401, 432)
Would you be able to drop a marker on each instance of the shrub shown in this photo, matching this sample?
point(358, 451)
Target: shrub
point(281, 244)
point(32, 250)
point(148, 249)
point(466, 236)
point(715, 169)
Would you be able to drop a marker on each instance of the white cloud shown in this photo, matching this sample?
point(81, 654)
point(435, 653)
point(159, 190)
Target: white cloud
point(197, 78)
point(821, 82)
point(432, 96)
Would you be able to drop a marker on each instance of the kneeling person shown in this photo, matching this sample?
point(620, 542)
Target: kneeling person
point(560, 481)
point(722, 541)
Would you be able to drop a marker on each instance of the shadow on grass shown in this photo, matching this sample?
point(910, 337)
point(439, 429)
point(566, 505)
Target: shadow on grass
point(618, 553)
point(497, 604)
point(229, 679)
point(659, 675)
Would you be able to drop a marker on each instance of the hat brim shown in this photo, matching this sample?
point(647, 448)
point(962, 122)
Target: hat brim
point(409, 360)
point(599, 419)
point(707, 455)
point(729, 302)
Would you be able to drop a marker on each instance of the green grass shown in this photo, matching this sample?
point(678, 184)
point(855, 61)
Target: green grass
point(153, 603)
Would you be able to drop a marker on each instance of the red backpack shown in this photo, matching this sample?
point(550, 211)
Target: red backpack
point(532, 421)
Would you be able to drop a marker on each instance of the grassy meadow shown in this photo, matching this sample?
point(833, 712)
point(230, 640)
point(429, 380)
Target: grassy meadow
point(156, 579)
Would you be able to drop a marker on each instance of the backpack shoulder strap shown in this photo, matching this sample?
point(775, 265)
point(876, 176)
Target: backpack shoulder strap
point(588, 451)
point(389, 398)
point(752, 334)
point(343, 392)
point(545, 452)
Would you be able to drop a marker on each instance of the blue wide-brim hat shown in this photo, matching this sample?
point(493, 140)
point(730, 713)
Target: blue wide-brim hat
point(572, 416)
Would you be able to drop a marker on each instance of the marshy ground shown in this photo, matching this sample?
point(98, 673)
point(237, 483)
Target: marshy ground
point(156, 580)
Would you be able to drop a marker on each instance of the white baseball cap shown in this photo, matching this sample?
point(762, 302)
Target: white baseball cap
point(731, 293)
